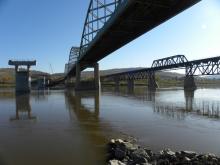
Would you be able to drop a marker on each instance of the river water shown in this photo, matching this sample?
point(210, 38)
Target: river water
point(63, 127)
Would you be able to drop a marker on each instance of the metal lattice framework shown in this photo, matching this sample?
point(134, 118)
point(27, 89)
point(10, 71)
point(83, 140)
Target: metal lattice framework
point(73, 57)
point(173, 60)
point(98, 14)
point(132, 75)
point(209, 66)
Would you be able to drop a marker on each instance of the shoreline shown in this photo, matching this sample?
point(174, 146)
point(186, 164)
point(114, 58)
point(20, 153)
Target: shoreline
point(123, 152)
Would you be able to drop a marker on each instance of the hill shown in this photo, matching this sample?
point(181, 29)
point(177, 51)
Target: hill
point(7, 75)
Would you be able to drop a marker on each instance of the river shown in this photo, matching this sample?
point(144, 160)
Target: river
point(56, 127)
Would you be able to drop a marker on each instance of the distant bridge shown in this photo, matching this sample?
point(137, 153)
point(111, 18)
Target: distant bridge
point(208, 66)
point(111, 24)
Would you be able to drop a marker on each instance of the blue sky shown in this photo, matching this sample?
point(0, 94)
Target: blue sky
point(45, 30)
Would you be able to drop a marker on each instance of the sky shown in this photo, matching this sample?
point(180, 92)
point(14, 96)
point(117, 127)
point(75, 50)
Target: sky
point(45, 30)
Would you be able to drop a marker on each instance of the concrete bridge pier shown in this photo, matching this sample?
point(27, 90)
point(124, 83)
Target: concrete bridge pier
point(117, 84)
point(152, 84)
point(87, 86)
point(130, 85)
point(22, 75)
point(189, 83)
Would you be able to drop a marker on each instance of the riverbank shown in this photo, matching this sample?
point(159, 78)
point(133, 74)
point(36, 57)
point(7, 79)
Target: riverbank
point(122, 152)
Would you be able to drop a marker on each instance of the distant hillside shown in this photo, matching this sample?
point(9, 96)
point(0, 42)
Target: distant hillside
point(89, 74)
point(7, 75)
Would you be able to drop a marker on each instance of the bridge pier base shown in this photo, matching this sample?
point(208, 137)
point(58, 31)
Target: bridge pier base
point(86, 86)
point(96, 76)
point(117, 84)
point(152, 84)
point(189, 83)
point(130, 85)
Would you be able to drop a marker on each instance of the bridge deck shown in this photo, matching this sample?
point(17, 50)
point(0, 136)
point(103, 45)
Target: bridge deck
point(132, 19)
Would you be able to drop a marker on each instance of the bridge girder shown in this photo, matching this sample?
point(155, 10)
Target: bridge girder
point(173, 60)
point(209, 66)
point(98, 14)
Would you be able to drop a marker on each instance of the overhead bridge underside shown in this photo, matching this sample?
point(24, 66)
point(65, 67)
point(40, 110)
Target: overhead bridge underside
point(131, 19)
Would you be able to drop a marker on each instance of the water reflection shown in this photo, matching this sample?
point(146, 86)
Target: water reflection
point(194, 106)
point(141, 93)
point(23, 107)
point(171, 108)
point(88, 116)
point(189, 99)
point(74, 103)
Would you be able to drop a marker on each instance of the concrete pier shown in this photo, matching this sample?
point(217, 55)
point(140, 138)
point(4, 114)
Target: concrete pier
point(152, 84)
point(87, 85)
point(22, 75)
point(130, 84)
point(189, 83)
point(117, 82)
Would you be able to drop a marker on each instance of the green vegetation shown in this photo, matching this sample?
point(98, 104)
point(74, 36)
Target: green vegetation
point(7, 78)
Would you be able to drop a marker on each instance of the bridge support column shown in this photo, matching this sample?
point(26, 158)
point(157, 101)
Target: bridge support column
point(87, 85)
point(22, 76)
point(189, 83)
point(117, 84)
point(152, 84)
point(22, 81)
point(96, 76)
point(130, 85)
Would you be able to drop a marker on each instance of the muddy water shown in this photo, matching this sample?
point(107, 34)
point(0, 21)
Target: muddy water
point(64, 127)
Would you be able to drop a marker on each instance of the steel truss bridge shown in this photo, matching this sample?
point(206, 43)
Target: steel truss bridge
point(208, 66)
point(111, 24)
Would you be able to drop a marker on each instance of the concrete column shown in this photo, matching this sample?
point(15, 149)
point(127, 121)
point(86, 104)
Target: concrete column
point(22, 81)
point(96, 76)
point(117, 84)
point(189, 83)
point(16, 69)
point(152, 84)
point(78, 76)
point(130, 85)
